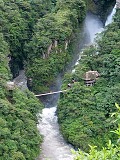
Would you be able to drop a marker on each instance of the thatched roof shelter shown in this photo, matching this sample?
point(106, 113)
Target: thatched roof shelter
point(91, 75)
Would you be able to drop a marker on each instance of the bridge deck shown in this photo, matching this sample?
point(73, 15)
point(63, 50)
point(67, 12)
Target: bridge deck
point(50, 93)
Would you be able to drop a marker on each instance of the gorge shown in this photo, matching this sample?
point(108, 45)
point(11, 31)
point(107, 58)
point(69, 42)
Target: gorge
point(45, 46)
point(54, 147)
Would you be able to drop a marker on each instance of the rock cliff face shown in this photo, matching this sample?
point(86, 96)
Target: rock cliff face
point(101, 7)
point(118, 3)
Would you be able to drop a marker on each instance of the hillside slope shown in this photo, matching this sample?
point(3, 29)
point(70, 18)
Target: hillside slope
point(84, 111)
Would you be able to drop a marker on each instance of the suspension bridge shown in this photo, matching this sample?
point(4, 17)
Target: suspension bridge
point(51, 93)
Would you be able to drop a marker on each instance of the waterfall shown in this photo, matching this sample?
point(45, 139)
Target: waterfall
point(93, 26)
point(110, 17)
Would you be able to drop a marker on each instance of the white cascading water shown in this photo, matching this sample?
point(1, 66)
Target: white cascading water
point(54, 147)
point(93, 26)
point(110, 17)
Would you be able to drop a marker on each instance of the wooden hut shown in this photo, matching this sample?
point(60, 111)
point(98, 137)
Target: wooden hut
point(90, 77)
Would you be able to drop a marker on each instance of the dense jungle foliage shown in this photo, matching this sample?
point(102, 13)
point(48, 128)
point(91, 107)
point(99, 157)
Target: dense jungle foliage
point(19, 137)
point(39, 34)
point(17, 19)
point(36, 29)
point(110, 151)
point(48, 49)
point(27, 28)
point(84, 112)
point(35, 35)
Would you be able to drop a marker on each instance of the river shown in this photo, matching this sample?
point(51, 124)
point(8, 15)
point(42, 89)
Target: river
point(54, 147)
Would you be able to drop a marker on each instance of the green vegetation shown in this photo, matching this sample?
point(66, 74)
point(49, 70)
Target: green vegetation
point(48, 51)
point(17, 21)
point(19, 137)
point(27, 29)
point(41, 31)
point(111, 151)
point(84, 112)
point(36, 35)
